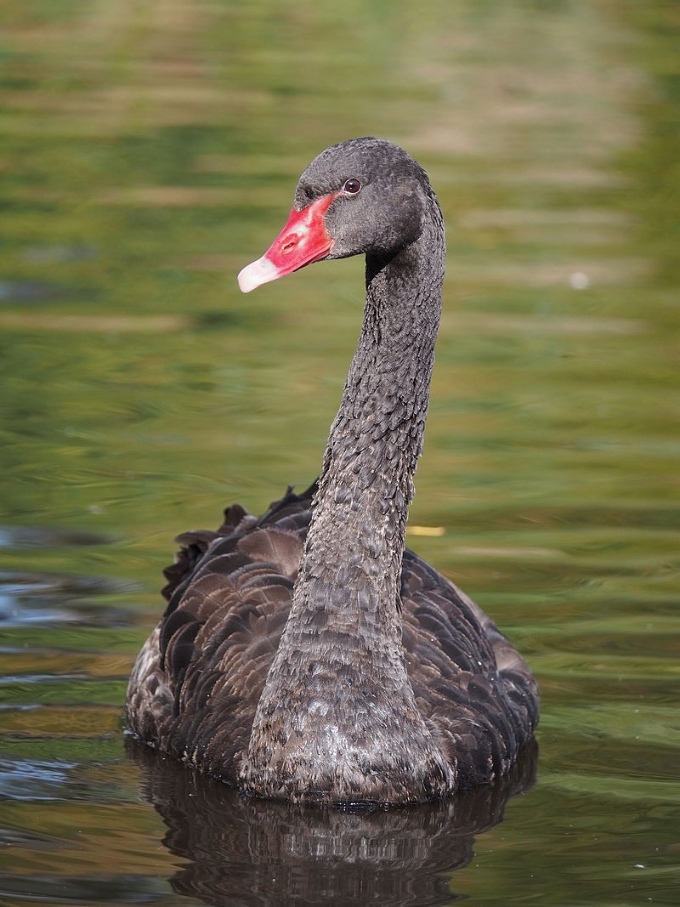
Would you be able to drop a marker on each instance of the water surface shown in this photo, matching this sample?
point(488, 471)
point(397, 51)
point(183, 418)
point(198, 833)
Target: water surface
point(149, 152)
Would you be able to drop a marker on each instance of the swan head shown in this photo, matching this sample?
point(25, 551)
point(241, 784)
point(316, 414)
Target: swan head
point(363, 196)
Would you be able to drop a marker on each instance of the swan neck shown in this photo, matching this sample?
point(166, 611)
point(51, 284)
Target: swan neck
point(339, 672)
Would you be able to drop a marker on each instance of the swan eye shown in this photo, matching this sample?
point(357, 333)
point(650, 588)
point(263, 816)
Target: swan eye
point(351, 187)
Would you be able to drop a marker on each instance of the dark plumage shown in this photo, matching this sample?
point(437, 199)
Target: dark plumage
point(388, 685)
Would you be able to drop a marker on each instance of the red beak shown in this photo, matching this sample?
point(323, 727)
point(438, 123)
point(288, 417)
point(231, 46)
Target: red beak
point(302, 241)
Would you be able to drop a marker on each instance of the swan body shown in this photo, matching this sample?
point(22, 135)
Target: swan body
point(307, 655)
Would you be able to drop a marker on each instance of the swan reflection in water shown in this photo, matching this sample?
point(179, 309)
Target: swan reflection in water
point(247, 852)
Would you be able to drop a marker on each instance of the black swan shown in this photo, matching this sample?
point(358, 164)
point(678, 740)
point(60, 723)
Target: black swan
point(306, 654)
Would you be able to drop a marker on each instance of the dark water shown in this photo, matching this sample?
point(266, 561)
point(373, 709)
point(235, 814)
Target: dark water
point(148, 151)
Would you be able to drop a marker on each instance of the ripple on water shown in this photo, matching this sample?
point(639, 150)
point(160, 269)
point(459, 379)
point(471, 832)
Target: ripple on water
point(42, 599)
point(33, 779)
point(45, 538)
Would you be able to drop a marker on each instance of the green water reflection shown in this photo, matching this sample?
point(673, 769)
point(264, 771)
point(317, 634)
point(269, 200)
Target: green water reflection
point(148, 152)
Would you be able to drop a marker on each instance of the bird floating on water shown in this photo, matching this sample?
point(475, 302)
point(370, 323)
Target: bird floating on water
point(307, 654)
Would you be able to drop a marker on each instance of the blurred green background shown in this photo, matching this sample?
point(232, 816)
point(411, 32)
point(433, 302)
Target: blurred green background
point(149, 151)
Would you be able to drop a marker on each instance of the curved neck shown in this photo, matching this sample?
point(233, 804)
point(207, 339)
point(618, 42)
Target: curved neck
point(366, 484)
point(352, 563)
point(341, 648)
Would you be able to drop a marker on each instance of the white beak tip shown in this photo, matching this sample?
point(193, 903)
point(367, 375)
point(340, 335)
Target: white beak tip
point(257, 273)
